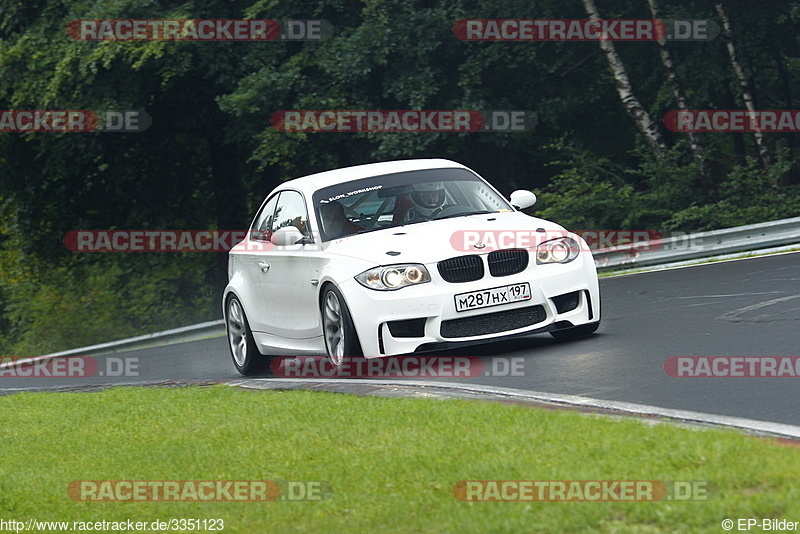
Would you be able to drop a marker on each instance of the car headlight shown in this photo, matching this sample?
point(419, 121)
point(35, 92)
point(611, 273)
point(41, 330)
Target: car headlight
point(560, 250)
point(394, 277)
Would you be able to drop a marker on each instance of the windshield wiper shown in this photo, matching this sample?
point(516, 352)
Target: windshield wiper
point(463, 214)
point(368, 230)
point(397, 225)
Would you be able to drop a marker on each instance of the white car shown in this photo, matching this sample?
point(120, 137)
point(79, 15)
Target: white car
point(398, 257)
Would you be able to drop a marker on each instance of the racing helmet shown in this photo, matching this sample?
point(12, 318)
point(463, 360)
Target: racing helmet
point(428, 197)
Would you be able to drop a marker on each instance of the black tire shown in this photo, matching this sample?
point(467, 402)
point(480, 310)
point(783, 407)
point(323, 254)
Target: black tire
point(341, 340)
point(244, 351)
point(576, 332)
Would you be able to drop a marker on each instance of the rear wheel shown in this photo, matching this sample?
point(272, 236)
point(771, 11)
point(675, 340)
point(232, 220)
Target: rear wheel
point(246, 358)
point(576, 332)
point(341, 340)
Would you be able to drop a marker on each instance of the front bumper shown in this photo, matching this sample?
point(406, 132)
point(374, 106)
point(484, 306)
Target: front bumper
point(403, 321)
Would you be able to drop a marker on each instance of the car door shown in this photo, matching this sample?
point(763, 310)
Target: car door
point(251, 264)
point(291, 281)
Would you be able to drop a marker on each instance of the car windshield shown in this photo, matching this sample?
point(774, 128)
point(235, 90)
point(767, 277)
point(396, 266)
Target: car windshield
point(402, 198)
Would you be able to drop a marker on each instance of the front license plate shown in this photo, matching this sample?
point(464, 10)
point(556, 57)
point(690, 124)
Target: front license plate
point(493, 297)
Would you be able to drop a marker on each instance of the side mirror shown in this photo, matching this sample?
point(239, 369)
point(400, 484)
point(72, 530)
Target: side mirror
point(521, 199)
point(286, 236)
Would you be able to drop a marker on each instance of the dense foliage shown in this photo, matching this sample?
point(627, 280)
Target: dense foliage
point(211, 155)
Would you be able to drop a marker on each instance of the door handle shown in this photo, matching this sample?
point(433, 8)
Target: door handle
point(264, 266)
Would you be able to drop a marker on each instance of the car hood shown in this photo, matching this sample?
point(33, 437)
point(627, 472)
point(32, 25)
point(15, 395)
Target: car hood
point(433, 241)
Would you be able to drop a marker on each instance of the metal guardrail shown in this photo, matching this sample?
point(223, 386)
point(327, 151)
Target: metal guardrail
point(177, 335)
point(701, 245)
point(686, 247)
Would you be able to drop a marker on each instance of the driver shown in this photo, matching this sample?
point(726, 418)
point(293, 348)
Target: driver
point(426, 200)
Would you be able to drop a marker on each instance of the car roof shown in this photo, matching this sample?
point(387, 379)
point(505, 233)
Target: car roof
point(314, 182)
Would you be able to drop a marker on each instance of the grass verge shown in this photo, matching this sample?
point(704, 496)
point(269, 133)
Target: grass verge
point(392, 463)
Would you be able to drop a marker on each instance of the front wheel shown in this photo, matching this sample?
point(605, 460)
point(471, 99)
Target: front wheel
point(576, 332)
point(341, 340)
point(246, 358)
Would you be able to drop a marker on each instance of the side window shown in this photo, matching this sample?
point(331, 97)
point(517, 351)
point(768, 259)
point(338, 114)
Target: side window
point(262, 227)
point(291, 211)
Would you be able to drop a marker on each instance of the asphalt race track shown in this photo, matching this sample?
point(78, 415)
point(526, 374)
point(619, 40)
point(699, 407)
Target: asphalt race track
point(739, 309)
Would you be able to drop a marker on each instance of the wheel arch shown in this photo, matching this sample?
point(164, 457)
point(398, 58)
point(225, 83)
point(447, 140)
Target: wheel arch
point(226, 297)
